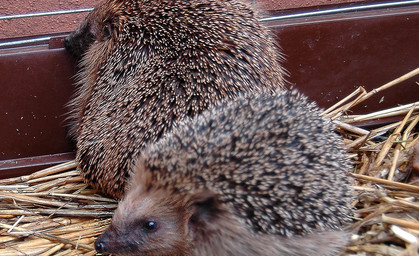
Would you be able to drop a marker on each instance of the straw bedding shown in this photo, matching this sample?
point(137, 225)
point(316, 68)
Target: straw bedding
point(52, 212)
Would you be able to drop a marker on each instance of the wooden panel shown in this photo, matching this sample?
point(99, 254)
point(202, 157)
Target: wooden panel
point(330, 56)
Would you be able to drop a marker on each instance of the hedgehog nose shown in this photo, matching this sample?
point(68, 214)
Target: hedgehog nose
point(100, 246)
point(67, 42)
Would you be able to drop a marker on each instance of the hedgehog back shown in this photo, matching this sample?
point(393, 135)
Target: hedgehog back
point(271, 158)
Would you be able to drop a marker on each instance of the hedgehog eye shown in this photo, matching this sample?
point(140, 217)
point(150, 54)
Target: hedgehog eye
point(150, 226)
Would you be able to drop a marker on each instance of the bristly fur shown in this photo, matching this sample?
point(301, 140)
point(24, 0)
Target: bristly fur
point(261, 175)
point(146, 64)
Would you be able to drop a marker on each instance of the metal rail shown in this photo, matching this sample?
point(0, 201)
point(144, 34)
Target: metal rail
point(341, 10)
point(40, 14)
point(276, 18)
point(26, 41)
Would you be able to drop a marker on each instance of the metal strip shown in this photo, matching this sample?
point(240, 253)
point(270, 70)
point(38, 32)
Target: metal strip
point(340, 10)
point(281, 17)
point(38, 14)
point(27, 41)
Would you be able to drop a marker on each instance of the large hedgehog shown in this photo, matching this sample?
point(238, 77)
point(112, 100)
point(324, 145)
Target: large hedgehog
point(146, 64)
point(262, 175)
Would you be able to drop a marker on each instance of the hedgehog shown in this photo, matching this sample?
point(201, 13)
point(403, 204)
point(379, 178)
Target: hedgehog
point(264, 174)
point(146, 64)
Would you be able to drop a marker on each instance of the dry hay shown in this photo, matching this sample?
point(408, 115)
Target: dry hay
point(52, 212)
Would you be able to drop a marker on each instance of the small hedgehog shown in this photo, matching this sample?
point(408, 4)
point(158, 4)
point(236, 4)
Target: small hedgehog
point(145, 64)
point(261, 175)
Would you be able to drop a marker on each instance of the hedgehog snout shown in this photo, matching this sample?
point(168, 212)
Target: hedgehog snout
point(67, 43)
point(114, 241)
point(100, 245)
point(71, 45)
point(104, 242)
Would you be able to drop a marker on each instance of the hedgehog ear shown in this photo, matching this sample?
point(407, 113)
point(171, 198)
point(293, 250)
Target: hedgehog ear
point(204, 208)
point(107, 30)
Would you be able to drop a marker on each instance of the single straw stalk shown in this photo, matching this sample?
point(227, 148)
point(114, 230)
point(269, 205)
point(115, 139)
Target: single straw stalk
point(387, 85)
point(48, 171)
point(388, 144)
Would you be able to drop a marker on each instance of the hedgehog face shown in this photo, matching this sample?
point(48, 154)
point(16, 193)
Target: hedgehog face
point(100, 25)
point(152, 219)
point(144, 225)
point(80, 40)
